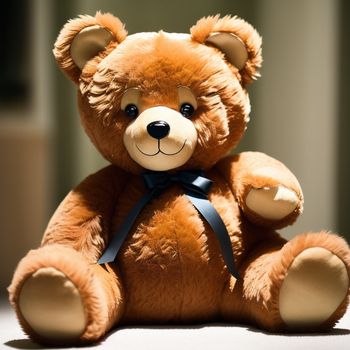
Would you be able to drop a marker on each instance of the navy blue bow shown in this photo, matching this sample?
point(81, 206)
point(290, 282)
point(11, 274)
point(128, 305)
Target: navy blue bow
point(193, 181)
point(196, 188)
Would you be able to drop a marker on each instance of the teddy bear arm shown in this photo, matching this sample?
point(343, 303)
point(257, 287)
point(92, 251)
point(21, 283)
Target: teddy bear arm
point(266, 190)
point(83, 219)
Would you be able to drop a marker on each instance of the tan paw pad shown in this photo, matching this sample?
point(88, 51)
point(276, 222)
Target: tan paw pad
point(316, 284)
point(52, 306)
point(272, 203)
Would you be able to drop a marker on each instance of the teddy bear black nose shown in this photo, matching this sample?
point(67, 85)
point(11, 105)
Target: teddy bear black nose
point(158, 129)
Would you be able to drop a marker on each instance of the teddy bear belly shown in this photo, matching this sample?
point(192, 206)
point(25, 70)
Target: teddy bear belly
point(171, 286)
point(172, 266)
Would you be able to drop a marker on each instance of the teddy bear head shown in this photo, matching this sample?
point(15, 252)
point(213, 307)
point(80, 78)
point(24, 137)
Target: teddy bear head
point(161, 101)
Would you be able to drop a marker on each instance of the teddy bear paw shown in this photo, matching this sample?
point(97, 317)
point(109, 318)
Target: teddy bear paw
point(52, 306)
point(316, 284)
point(272, 203)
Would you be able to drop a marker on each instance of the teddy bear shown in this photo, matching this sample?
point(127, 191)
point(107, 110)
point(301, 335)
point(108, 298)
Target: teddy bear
point(176, 230)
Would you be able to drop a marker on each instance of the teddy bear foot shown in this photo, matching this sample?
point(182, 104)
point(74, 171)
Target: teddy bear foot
point(62, 299)
point(52, 305)
point(315, 286)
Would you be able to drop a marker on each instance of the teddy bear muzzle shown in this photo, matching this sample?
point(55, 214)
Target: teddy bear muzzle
point(160, 139)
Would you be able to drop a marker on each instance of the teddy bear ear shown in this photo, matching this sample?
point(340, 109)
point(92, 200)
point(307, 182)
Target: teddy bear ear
point(237, 39)
point(84, 38)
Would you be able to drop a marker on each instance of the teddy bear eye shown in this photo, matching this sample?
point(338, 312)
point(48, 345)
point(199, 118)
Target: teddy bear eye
point(131, 111)
point(187, 110)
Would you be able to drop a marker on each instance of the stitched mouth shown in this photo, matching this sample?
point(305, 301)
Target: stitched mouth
point(160, 151)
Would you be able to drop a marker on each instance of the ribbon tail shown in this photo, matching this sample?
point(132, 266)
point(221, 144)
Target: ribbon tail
point(117, 241)
point(210, 214)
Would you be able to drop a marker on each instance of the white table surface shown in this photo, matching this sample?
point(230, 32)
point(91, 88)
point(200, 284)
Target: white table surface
point(201, 337)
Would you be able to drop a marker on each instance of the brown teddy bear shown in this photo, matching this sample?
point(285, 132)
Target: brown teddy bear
point(174, 231)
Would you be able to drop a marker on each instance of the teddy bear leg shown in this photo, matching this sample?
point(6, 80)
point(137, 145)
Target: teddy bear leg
point(314, 292)
point(304, 286)
point(249, 299)
point(60, 298)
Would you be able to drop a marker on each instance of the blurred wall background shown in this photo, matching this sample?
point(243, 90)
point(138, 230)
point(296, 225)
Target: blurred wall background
point(300, 110)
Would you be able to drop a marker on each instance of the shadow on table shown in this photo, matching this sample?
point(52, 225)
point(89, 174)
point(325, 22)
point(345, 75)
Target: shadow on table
point(333, 332)
point(29, 344)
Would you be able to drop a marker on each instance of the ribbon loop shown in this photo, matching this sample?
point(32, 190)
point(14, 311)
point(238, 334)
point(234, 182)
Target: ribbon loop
point(197, 188)
point(155, 179)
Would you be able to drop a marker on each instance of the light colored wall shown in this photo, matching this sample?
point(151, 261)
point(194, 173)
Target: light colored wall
point(295, 112)
point(26, 193)
point(26, 149)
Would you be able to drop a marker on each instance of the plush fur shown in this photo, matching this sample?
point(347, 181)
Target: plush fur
point(170, 269)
